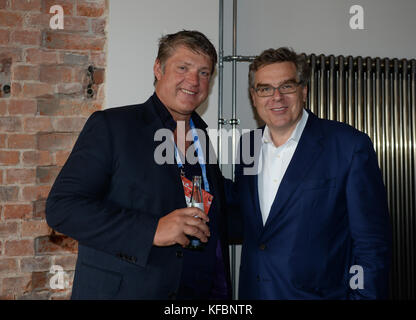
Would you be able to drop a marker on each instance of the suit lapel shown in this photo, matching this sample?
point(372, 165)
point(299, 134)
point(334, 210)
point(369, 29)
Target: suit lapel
point(148, 123)
point(307, 151)
point(255, 144)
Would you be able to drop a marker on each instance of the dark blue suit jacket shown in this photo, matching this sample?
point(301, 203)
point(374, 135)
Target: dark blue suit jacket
point(329, 214)
point(110, 195)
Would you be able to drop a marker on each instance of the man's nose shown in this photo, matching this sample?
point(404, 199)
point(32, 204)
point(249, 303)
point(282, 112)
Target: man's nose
point(192, 77)
point(277, 95)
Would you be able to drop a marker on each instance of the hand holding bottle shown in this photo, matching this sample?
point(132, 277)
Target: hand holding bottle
point(175, 226)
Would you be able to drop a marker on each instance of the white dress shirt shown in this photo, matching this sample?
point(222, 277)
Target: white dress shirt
point(275, 161)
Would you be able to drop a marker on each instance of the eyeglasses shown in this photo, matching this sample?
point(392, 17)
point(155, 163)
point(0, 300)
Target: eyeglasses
point(285, 88)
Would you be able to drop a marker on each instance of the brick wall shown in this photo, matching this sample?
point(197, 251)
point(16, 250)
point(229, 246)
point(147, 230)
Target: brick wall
point(56, 80)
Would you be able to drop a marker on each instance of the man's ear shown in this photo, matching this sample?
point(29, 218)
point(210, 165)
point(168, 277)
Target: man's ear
point(157, 69)
point(252, 93)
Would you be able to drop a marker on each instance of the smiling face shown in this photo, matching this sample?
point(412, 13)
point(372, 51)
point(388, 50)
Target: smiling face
point(183, 82)
point(281, 112)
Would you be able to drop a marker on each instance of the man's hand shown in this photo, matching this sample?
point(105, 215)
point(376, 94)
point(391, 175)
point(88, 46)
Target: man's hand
point(174, 227)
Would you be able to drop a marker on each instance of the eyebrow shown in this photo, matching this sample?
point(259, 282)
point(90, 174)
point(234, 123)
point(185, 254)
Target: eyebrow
point(283, 82)
point(191, 64)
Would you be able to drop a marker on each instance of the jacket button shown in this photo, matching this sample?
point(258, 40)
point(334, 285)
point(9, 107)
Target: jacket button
point(258, 278)
point(179, 254)
point(172, 295)
point(262, 246)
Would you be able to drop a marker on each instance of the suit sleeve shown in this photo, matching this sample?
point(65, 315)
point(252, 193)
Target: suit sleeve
point(369, 222)
point(77, 205)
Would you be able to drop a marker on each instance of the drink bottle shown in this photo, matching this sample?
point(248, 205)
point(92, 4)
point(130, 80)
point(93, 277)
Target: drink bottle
point(196, 201)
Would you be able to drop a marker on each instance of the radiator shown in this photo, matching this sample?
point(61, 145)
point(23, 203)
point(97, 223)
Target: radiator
point(378, 96)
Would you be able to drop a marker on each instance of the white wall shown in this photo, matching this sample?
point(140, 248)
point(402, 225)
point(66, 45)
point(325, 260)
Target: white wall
point(133, 33)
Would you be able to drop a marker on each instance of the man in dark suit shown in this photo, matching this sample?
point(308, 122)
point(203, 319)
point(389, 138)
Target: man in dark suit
point(316, 222)
point(127, 209)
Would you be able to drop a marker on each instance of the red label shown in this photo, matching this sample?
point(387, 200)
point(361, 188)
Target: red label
point(206, 196)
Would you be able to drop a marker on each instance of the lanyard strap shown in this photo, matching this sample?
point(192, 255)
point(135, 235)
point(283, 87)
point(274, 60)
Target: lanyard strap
point(200, 154)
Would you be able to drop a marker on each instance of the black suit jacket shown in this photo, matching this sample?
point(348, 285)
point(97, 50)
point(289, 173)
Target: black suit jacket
point(110, 195)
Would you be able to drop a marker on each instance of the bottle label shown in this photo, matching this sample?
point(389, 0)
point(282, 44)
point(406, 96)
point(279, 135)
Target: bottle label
point(206, 196)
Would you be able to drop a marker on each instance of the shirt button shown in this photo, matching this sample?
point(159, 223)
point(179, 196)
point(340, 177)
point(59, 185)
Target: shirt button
point(274, 180)
point(179, 254)
point(262, 246)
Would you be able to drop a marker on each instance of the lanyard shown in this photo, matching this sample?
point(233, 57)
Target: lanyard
point(200, 154)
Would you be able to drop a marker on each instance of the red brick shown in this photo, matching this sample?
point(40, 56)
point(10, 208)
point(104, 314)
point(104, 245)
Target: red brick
point(75, 89)
point(32, 90)
point(8, 158)
point(16, 89)
point(98, 59)
point(15, 54)
point(61, 157)
point(3, 4)
point(3, 140)
point(35, 158)
point(19, 248)
point(37, 20)
point(90, 9)
point(67, 262)
point(16, 286)
point(66, 107)
point(39, 56)
point(35, 264)
point(68, 124)
point(22, 107)
point(55, 244)
point(74, 58)
point(38, 124)
point(25, 72)
point(4, 36)
point(25, 37)
point(1, 182)
point(47, 174)
point(98, 26)
point(8, 229)
point(8, 266)
point(55, 74)
point(99, 76)
point(33, 193)
point(67, 5)
point(8, 194)
point(20, 176)
point(40, 280)
point(11, 19)
point(17, 211)
point(21, 141)
point(35, 228)
point(56, 141)
point(26, 5)
point(3, 107)
point(39, 209)
point(64, 295)
point(69, 41)
point(10, 124)
point(76, 24)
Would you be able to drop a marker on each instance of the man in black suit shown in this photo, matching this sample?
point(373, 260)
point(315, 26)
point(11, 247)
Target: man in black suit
point(127, 210)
